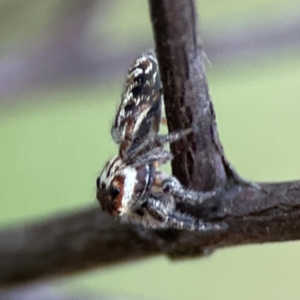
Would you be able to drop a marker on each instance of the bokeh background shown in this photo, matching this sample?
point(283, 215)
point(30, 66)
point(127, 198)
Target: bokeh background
point(62, 67)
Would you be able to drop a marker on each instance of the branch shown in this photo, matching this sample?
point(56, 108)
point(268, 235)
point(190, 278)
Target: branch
point(67, 244)
point(198, 161)
point(90, 239)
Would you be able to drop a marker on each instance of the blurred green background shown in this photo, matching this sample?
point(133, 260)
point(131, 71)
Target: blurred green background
point(62, 66)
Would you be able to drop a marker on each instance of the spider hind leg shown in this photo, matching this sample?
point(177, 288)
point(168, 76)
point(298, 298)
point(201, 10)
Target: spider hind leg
point(168, 217)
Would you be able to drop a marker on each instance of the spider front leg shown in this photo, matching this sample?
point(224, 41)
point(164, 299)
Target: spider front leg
point(163, 211)
point(156, 155)
point(173, 136)
point(151, 143)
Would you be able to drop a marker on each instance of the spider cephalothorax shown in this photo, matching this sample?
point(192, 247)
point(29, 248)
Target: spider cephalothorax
point(120, 185)
point(131, 186)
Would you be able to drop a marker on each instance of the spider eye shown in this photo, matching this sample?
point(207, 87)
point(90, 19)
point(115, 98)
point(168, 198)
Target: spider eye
point(114, 192)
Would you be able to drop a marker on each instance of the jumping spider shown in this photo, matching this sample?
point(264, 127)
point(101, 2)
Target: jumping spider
point(131, 186)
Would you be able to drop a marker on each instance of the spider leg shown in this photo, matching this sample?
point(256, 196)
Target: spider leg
point(176, 220)
point(152, 142)
point(156, 155)
point(173, 136)
point(174, 187)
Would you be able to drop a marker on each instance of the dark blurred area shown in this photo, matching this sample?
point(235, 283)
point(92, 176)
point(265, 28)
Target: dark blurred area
point(50, 42)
